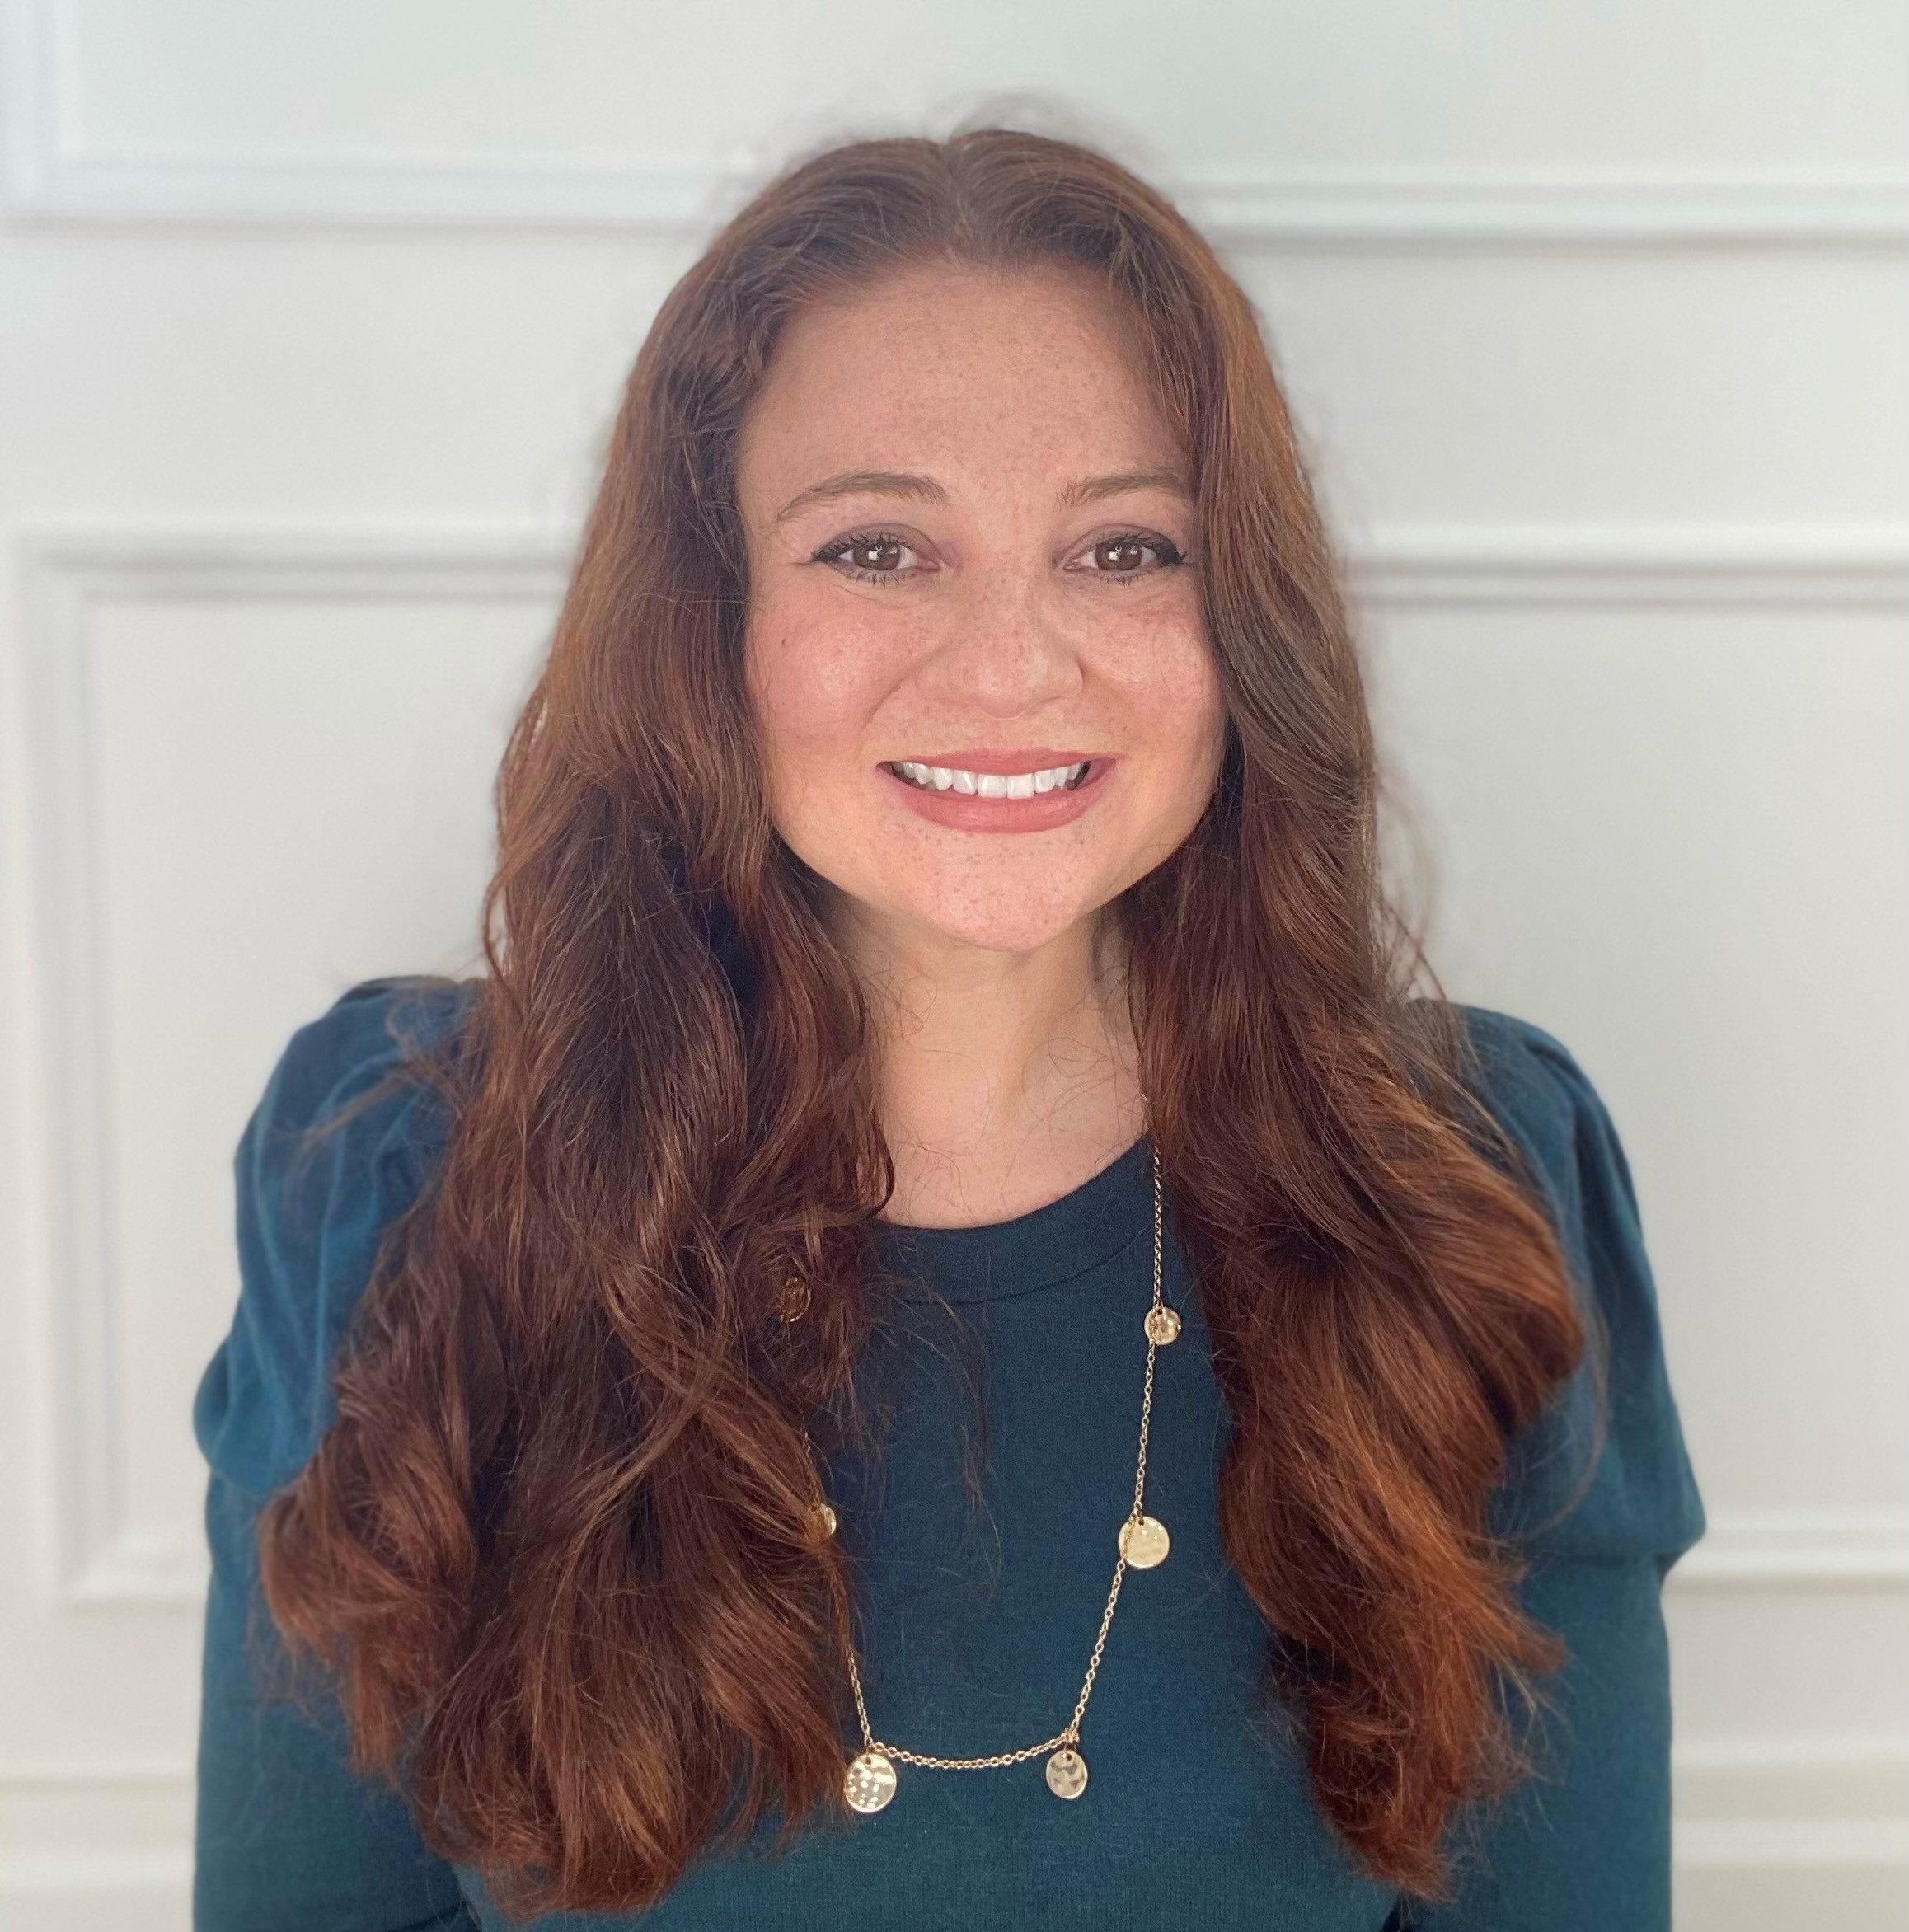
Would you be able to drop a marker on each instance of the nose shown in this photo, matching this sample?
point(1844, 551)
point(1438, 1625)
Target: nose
point(1003, 648)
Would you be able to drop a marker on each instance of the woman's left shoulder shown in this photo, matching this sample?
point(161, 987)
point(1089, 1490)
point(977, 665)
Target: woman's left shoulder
point(1642, 1496)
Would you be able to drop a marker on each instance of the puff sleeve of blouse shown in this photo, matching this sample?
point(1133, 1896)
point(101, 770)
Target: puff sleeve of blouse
point(1587, 1842)
point(285, 1836)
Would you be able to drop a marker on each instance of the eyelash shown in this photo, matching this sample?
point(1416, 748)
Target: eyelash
point(1170, 555)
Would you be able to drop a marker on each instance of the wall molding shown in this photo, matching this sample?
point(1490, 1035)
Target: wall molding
point(50, 177)
point(80, 1880)
point(1829, 564)
point(1769, 1549)
point(1781, 1803)
point(45, 1775)
point(1270, 208)
point(92, 1558)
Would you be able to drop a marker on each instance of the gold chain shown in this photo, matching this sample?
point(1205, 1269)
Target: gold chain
point(876, 1766)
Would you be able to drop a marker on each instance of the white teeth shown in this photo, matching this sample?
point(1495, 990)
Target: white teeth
point(990, 784)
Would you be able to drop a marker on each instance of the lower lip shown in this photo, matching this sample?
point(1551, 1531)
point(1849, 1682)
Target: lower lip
point(966, 812)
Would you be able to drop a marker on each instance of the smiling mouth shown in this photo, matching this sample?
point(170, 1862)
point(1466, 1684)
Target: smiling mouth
point(991, 785)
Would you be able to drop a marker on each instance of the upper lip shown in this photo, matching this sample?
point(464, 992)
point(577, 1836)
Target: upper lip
point(1035, 757)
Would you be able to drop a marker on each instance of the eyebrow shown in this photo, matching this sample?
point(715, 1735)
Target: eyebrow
point(925, 489)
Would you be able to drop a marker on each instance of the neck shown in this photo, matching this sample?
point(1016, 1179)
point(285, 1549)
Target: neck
point(1007, 1079)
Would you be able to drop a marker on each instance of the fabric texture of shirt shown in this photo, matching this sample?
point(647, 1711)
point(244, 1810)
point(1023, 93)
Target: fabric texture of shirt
point(976, 1625)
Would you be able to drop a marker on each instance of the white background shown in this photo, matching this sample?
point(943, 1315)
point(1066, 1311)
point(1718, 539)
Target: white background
point(1595, 320)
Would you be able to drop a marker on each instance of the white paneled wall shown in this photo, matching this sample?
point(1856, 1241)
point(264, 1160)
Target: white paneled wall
point(1596, 320)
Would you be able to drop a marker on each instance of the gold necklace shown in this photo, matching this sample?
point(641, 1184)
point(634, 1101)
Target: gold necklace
point(870, 1781)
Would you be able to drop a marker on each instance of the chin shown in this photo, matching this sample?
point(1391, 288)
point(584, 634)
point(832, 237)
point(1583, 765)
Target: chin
point(1003, 928)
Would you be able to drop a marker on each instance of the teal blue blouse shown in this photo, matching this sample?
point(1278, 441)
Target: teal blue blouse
point(977, 1626)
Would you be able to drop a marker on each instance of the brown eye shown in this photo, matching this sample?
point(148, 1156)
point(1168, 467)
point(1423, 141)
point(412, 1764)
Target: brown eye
point(1122, 557)
point(870, 556)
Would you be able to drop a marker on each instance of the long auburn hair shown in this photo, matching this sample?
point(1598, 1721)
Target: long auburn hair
point(556, 1549)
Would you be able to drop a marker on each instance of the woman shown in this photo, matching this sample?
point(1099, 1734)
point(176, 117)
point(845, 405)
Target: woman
point(722, 1400)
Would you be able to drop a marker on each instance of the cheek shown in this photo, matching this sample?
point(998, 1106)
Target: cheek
point(1179, 702)
point(816, 679)
point(1170, 682)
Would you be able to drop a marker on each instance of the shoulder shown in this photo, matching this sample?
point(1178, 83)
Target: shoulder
point(361, 1030)
point(338, 1145)
point(1530, 1081)
point(1604, 1471)
point(1533, 1087)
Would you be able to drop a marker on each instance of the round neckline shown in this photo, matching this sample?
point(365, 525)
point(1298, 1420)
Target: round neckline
point(1047, 1246)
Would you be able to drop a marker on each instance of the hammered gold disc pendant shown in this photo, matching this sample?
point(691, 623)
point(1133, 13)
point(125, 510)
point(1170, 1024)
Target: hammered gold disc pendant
point(1143, 1542)
point(1162, 1325)
point(1067, 1773)
point(825, 1519)
point(869, 1782)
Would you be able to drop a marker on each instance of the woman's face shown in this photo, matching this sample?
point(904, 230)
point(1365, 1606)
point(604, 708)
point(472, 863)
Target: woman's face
point(964, 513)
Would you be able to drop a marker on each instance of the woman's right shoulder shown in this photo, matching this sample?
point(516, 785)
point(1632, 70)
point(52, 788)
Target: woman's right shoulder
point(337, 1145)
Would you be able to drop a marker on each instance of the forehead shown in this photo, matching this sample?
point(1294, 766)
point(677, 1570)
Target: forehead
point(946, 368)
